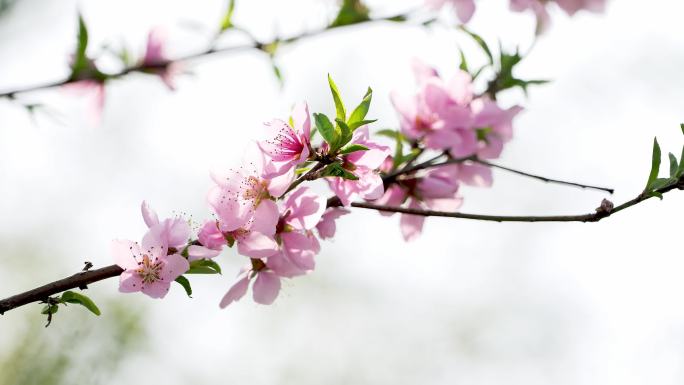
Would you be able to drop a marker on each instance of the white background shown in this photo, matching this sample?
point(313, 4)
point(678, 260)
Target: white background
point(468, 303)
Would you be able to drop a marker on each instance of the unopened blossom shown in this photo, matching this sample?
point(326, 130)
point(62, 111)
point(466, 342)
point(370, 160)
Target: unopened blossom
point(239, 192)
point(156, 61)
point(265, 288)
point(439, 113)
point(288, 144)
point(364, 165)
point(148, 267)
point(327, 226)
point(435, 189)
point(175, 233)
point(464, 8)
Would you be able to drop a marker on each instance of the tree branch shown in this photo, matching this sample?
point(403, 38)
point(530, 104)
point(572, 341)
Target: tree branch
point(254, 45)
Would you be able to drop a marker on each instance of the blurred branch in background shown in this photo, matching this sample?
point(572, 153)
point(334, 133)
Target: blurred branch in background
point(88, 354)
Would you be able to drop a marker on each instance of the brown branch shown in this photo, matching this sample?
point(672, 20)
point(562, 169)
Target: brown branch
point(42, 293)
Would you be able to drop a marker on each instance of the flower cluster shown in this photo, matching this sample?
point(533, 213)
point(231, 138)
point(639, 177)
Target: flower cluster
point(261, 209)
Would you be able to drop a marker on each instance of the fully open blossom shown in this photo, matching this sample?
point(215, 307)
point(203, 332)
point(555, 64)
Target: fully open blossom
point(175, 233)
point(435, 189)
point(239, 192)
point(464, 8)
point(148, 267)
point(439, 113)
point(156, 60)
point(569, 6)
point(300, 214)
point(256, 238)
point(364, 165)
point(288, 145)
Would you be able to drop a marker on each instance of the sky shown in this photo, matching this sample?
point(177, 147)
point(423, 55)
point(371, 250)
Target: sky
point(468, 302)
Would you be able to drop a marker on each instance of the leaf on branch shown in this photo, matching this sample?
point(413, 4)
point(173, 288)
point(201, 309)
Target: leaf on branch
point(655, 164)
point(351, 12)
point(186, 285)
point(674, 166)
point(345, 133)
point(227, 21)
point(356, 119)
point(481, 42)
point(78, 298)
point(353, 148)
point(336, 170)
point(339, 106)
point(326, 129)
point(204, 266)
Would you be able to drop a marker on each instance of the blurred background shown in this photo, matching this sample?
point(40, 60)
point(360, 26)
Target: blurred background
point(467, 303)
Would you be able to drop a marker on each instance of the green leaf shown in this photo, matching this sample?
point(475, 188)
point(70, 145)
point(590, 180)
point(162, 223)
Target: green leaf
point(204, 266)
point(345, 133)
point(73, 297)
point(480, 41)
point(351, 12)
point(227, 21)
point(682, 127)
point(655, 163)
point(464, 63)
point(673, 165)
point(360, 112)
point(661, 183)
point(49, 309)
point(326, 128)
point(186, 285)
point(353, 148)
point(336, 170)
point(680, 169)
point(356, 125)
point(82, 38)
point(339, 106)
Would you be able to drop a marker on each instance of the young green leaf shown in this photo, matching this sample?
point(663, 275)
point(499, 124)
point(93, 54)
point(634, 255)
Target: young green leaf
point(353, 148)
point(360, 112)
point(186, 285)
point(673, 165)
point(464, 63)
point(227, 21)
point(326, 128)
point(358, 124)
point(655, 163)
point(680, 169)
point(336, 170)
point(82, 39)
point(339, 106)
point(204, 266)
point(49, 309)
point(682, 127)
point(78, 298)
point(345, 133)
point(480, 41)
point(351, 12)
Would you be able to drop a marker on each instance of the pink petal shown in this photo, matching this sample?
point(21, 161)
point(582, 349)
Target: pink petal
point(475, 174)
point(283, 267)
point(266, 288)
point(174, 265)
point(278, 185)
point(305, 208)
point(198, 252)
point(302, 120)
point(157, 289)
point(149, 216)
point(265, 218)
point(327, 227)
point(130, 282)
point(177, 232)
point(411, 225)
point(236, 292)
point(257, 245)
point(125, 254)
point(464, 9)
point(394, 196)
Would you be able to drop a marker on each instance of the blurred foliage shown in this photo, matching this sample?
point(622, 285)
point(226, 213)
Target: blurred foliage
point(5, 5)
point(83, 352)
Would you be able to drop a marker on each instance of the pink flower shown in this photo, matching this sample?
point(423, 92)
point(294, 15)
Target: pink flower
point(464, 8)
point(363, 164)
point(256, 238)
point(289, 145)
point(300, 214)
point(175, 233)
point(327, 227)
point(436, 189)
point(147, 267)
point(157, 61)
point(494, 126)
point(239, 193)
point(210, 235)
point(265, 289)
point(439, 113)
